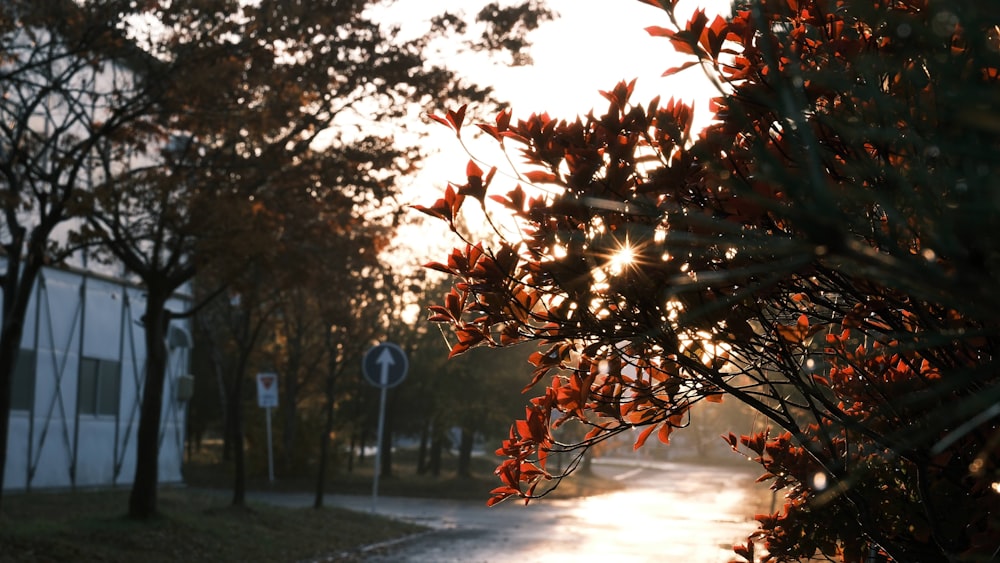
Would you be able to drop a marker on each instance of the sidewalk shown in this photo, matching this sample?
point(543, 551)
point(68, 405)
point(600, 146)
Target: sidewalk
point(429, 512)
point(439, 516)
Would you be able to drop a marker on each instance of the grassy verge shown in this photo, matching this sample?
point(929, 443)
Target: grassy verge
point(193, 527)
point(209, 471)
point(197, 526)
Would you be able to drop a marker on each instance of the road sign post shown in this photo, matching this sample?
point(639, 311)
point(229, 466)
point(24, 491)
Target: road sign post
point(384, 366)
point(267, 398)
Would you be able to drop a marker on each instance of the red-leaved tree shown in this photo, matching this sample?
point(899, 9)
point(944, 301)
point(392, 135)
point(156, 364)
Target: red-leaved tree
point(821, 253)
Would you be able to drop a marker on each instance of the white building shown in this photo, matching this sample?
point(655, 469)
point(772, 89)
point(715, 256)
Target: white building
point(78, 385)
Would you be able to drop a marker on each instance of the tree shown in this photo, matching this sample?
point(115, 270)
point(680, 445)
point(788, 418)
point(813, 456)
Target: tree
point(247, 314)
point(816, 253)
point(299, 301)
point(251, 88)
point(117, 86)
point(71, 83)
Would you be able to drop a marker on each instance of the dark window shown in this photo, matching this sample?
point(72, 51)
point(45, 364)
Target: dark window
point(23, 385)
point(99, 384)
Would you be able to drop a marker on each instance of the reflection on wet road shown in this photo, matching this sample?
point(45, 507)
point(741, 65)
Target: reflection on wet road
point(668, 512)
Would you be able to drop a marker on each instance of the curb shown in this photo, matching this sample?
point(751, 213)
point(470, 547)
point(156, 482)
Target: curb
point(351, 554)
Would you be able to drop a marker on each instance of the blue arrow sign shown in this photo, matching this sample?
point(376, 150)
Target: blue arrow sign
point(385, 365)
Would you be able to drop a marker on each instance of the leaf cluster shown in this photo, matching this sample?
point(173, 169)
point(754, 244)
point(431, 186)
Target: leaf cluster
point(816, 253)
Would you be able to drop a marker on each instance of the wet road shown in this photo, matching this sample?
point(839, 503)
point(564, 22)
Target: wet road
point(668, 512)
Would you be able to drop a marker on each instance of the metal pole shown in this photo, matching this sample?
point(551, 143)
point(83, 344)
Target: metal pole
point(270, 453)
point(378, 446)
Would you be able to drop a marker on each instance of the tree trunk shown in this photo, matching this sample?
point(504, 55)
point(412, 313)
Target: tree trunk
point(425, 434)
point(465, 444)
point(437, 449)
point(324, 444)
point(247, 335)
point(289, 427)
point(142, 500)
point(228, 432)
point(239, 450)
point(224, 405)
point(350, 452)
point(218, 363)
point(9, 347)
point(290, 419)
point(8, 357)
point(18, 284)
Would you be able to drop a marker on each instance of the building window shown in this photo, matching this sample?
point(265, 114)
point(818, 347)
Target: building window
point(99, 385)
point(23, 385)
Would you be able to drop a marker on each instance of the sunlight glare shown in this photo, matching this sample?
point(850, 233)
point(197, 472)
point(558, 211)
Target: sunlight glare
point(674, 309)
point(819, 481)
point(654, 523)
point(559, 251)
point(660, 234)
point(624, 258)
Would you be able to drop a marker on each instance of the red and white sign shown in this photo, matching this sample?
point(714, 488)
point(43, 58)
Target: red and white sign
point(267, 389)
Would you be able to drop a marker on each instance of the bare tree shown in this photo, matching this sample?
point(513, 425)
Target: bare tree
point(69, 87)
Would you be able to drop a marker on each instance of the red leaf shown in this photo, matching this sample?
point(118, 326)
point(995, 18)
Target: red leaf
point(433, 211)
point(445, 208)
point(472, 169)
point(642, 437)
point(745, 551)
point(440, 120)
point(664, 433)
point(657, 31)
point(540, 177)
point(697, 23)
point(453, 120)
point(502, 126)
point(674, 70)
point(595, 432)
point(514, 200)
point(456, 118)
point(797, 333)
point(454, 304)
point(439, 267)
point(732, 440)
point(503, 120)
point(491, 131)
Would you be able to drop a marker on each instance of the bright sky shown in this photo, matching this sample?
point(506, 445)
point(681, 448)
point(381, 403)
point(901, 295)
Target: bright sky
point(591, 46)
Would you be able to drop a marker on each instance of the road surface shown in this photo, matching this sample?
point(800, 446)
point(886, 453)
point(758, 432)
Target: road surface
point(667, 512)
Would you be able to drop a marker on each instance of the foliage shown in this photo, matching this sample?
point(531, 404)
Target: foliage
point(263, 180)
point(498, 28)
point(173, 131)
point(816, 253)
point(249, 96)
point(70, 86)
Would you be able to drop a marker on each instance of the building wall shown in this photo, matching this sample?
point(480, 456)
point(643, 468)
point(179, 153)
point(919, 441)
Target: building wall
point(58, 438)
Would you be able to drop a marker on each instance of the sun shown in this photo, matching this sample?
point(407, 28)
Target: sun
point(622, 259)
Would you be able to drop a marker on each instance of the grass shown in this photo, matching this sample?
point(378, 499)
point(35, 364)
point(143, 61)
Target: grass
point(207, 471)
point(195, 525)
point(192, 526)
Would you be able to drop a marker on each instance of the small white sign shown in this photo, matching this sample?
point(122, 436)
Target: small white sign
point(267, 390)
